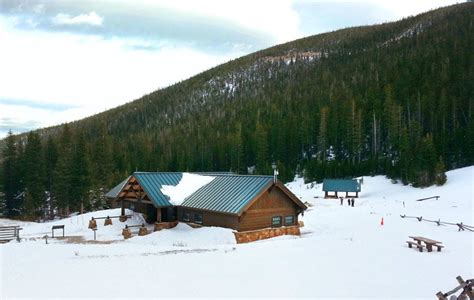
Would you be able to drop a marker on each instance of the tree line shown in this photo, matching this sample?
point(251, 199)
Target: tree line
point(54, 177)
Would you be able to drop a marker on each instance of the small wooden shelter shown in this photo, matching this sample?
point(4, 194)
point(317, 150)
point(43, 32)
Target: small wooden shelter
point(331, 187)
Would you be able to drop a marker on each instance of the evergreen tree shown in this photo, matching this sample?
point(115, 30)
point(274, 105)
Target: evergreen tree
point(10, 176)
point(237, 152)
point(262, 159)
point(102, 158)
point(425, 163)
point(406, 158)
point(322, 136)
point(63, 172)
point(440, 175)
point(80, 176)
point(34, 176)
point(51, 159)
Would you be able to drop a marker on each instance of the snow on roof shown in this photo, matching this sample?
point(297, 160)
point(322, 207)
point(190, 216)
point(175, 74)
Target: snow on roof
point(189, 184)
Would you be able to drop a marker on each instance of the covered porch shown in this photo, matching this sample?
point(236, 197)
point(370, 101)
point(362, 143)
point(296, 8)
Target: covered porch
point(135, 198)
point(151, 213)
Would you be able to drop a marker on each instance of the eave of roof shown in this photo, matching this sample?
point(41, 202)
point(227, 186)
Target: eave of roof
point(115, 191)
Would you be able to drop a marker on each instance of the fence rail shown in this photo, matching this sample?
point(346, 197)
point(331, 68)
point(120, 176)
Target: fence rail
point(428, 198)
point(465, 285)
point(461, 226)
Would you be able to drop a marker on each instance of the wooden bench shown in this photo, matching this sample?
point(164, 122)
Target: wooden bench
point(8, 233)
point(439, 247)
point(419, 246)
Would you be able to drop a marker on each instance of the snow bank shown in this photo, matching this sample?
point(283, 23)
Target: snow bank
point(185, 236)
point(78, 226)
point(188, 185)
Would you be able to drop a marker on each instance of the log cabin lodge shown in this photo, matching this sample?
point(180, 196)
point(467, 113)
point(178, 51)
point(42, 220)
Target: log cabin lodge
point(240, 202)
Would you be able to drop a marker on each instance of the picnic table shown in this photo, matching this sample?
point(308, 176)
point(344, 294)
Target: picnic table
point(421, 242)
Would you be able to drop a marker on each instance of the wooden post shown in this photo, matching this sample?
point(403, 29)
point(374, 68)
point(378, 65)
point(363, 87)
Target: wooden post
point(108, 221)
point(123, 208)
point(92, 223)
point(357, 194)
point(143, 230)
point(158, 215)
point(460, 280)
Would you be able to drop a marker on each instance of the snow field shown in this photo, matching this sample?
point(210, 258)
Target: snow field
point(343, 252)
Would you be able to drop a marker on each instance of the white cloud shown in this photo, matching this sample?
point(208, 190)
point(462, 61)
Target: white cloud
point(91, 18)
point(38, 9)
point(89, 72)
point(276, 18)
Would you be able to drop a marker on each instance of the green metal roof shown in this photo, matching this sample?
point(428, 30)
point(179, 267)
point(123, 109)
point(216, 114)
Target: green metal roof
point(115, 191)
point(151, 182)
point(341, 185)
point(227, 193)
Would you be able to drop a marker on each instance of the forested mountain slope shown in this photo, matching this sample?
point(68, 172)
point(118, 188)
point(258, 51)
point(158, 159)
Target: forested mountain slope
point(392, 99)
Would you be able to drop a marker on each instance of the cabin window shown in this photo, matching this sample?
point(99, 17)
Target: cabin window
point(289, 220)
point(198, 218)
point(132, 206)
point(276, 221)
point(186, 216)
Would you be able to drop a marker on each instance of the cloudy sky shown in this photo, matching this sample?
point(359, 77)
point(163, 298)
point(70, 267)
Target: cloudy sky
point(64, 60)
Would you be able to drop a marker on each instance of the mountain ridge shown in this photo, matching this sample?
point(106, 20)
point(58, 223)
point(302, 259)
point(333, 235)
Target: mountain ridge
point(266, 54)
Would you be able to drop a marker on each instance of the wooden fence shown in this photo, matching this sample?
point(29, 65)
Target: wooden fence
point(461, 226)
point(428, 198)
point(465, 285)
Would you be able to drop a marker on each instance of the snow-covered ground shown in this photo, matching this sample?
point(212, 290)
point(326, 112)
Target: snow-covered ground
point(343, 252)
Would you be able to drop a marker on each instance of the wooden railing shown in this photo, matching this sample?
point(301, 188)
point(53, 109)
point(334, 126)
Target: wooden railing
point(8, 233)
point(466, 287)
